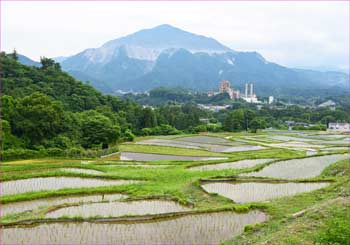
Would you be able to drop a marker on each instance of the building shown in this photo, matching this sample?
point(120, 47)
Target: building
point(271, 99)
point(249, 95)
point(215, 108)
point(339, 127)
point(225, 87)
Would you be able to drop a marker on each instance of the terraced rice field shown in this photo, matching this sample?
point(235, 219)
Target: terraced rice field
point(54, 183)
point(19, 207)
point(229, 165)
point(210, 228)
point(117, 209)
point(257, 192)
point(196, 189)
point(298, 168)
point(136, 156)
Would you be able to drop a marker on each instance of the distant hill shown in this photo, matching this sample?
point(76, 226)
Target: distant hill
point(27, 61)
point(168, 56)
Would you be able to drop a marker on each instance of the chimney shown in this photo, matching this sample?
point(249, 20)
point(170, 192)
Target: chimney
point(251, 90)
point(246, 90)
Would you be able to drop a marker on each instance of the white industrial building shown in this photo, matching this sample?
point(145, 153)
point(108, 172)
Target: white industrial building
point(339, 127)
point(250, 96)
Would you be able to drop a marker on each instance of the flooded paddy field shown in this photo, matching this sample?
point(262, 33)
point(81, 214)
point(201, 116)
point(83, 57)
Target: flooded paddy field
point(18, 207)
point(81, 170)
point(235, 165)
point(55, 183)
point(117, 209)
point(330, 149)
point(296, 145)
point(298, 168)
point(242, 148)
point(136, 156)
point(259, 191)
point(172, 143)
point(151, 213)
point(206, 139)
point(207, 228)
point(180, 143)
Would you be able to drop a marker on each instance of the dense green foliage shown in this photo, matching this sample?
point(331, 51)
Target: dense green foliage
point(46, 110)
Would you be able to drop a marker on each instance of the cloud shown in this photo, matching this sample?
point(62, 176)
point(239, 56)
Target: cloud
point(304, 34)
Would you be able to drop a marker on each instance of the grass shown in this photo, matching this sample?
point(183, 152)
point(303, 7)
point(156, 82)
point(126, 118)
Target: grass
point(181, 185)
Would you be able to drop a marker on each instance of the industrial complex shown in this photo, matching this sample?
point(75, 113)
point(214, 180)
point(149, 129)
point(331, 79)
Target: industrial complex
point(248, 96)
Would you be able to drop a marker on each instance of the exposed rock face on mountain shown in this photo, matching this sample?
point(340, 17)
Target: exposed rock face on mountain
point(168, 56)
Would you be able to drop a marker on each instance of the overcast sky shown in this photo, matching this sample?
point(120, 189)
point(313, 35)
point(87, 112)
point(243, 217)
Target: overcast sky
point(296, 34)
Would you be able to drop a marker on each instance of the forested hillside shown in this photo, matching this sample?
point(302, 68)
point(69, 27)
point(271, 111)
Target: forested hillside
point(46, 110)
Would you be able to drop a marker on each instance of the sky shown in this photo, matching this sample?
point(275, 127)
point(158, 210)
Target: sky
point(311, 34)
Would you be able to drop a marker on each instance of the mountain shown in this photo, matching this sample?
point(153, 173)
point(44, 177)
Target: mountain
point(27, 61)
point(168, 56)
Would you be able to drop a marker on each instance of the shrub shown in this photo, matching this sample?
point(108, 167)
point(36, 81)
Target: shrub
point(14, 154)
point(128, 135)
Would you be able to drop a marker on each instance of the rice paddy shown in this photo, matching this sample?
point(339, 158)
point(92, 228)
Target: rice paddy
point(257, 192)
point(117, 209)
point(298, 168)
point(135, 156)
point(193, 189)
point(54, 183)
point(228, 165)
point(209, 228)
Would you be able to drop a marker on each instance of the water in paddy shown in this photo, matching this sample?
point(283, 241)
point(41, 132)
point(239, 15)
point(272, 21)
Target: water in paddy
point(209, 228)
point(204, 139)
point(289, 138)
point(310, 153)
point(117, 209)
point(81, 170)
point(298, 168)
point(317, 141)
point(55, 183)
point(336, 148)
point(18, 207)
point(297, 145)
point(237, 165)
point(172, 143)
point(237, 148)
point(256, 192)
point(156, 157)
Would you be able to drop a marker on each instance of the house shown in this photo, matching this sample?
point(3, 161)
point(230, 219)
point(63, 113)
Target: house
point(339, 127)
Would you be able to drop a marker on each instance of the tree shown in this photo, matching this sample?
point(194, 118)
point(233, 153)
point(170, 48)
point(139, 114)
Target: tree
point(257, 123)
point(149, 118)
point(248, 116)
point(38, 117)
point(46, 63)
point(98, 130)
point(14, 55)
point(234, 121)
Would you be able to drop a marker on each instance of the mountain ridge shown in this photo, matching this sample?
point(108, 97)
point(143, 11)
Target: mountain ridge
point(168, 56)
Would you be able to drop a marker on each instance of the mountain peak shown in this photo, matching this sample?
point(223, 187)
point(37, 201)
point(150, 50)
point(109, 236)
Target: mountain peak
point(165, 27)
point(166, 36)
